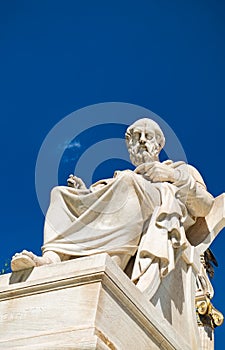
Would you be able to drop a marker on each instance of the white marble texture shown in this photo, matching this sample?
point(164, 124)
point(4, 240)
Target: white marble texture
point(86, 303)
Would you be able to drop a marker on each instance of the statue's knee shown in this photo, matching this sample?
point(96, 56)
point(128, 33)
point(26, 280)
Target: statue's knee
point(127, 176)
point(55, 192)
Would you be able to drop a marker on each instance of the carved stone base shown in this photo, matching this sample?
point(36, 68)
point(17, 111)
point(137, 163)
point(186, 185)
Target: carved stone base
point(86, 303)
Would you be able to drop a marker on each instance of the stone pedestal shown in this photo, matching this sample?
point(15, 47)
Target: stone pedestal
point(86, 303)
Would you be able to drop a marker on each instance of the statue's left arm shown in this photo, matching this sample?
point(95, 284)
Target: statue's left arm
point(192, 191)
point(191, 188)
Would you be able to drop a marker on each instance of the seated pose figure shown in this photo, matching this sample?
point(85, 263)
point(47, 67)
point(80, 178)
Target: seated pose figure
point(142, 213)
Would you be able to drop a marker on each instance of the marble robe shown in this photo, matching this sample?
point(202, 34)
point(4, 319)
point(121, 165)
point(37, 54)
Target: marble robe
point(129, 215)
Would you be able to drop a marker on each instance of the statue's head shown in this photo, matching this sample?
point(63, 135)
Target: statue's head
point(144, 140)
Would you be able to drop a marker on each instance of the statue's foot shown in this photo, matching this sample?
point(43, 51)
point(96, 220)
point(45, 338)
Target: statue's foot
point(26, 260)
point(21, 261)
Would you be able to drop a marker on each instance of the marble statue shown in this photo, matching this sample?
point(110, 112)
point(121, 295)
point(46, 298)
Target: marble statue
point(142, 214)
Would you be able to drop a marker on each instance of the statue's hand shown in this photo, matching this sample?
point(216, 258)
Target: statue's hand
point(76, 182)
point(157, 172)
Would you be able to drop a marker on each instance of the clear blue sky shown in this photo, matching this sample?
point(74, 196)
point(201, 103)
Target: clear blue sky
point(59, 56)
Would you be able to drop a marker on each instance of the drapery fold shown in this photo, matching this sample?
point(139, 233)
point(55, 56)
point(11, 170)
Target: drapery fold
point(127, 214)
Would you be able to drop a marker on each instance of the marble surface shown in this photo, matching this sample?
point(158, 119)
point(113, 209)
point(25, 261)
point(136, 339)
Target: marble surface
point(150, 213)
point(86, 303)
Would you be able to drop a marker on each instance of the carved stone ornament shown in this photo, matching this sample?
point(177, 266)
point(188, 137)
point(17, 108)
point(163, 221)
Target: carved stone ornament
point(207, 314)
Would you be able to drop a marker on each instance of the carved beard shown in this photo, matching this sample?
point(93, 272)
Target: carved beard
point(146, 153)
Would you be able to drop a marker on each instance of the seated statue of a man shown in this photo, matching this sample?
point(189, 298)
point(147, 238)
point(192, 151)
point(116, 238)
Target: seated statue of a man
point(142, 213)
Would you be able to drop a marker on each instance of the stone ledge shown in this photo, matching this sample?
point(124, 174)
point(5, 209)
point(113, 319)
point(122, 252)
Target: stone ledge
point(86, 303)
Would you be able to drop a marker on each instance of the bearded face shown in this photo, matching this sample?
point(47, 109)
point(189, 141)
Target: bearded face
point(144, 141)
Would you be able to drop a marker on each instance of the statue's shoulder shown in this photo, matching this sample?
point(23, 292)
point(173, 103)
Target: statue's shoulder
point(192, 171)
point(196, 175)
point(187, 168)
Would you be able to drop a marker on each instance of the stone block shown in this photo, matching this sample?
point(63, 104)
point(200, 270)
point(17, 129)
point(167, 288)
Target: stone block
point(85, 303)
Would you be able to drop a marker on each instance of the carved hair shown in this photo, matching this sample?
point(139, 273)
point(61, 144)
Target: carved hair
point(144, 122)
